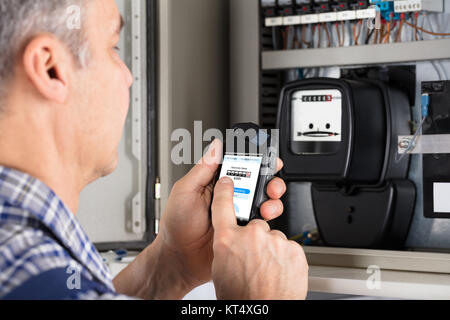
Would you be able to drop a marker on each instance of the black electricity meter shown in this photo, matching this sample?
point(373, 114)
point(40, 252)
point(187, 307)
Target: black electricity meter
point(342, 135)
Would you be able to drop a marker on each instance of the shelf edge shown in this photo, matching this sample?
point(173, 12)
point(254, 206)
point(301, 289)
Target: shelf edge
point(357, 55)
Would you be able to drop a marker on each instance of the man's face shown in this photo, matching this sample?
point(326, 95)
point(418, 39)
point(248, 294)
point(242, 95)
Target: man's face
point(101, 92)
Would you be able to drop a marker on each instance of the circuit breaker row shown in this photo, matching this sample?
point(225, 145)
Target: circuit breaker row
point(297, 12)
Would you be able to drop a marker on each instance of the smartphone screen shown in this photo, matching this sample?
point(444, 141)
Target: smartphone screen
point(244, 170)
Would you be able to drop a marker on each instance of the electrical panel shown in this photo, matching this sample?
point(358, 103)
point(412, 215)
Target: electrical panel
point(402, 43)
point(290, 33)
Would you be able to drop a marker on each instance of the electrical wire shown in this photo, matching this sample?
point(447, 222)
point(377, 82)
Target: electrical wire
point(439, 70)
point(437, 64)
point(355, 34)
point(289, 39)
point(382, 33)
point(313, 35)
point(431, 22)
point(388, 33)
point(327, 32)
point(274, 38)
point(297, 44)
point(296, 37)
point(360, 24)
point(355, 40)
point(425, 104)
point(338, 35)
point(370, 34)
point(411, 146)
point(299, 31)
point(427, 31)
point(434, 64)
point(319, 30)
point(300, 36)
point(290, 36)
point(308, 44)
point(399, 32)
point(307, 237)
point(391, 26)
point(416, 22)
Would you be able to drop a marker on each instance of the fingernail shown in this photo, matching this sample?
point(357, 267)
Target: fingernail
point(226, 180)
point(213, 154)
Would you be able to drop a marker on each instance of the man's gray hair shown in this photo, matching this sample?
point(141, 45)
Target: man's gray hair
point(20, 20)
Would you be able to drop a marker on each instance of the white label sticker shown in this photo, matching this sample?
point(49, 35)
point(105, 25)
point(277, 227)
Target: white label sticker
point(274, 22)
point(408, 6)
point(441, 197)
point(346, 15)
point(327, 17)
point(370, 13)
point(291, 20)
point(310, 18)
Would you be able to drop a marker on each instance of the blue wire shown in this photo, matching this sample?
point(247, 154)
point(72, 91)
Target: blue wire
point(425, 105)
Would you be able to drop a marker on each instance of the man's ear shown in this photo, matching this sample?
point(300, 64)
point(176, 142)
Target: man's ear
point(46, 65)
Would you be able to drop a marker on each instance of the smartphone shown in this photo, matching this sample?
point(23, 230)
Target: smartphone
point(250, 160)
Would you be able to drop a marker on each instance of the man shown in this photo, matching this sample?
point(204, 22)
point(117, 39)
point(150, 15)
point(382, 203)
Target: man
point(63, 103)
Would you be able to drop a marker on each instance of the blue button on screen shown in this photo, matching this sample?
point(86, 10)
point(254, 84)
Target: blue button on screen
point(242, 191)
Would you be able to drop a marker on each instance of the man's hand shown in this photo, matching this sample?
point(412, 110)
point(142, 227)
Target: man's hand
point(181, 256)
point(186, 228)
point(252, 262)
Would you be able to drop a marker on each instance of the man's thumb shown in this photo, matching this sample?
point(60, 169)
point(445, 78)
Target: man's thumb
point(223, 215)
point(205, 170)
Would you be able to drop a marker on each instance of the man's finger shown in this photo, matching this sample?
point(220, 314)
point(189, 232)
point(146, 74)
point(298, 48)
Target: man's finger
point(277, 233)
point(280, 164)
point(223, 214)
point(276, 188)
point(272, 209)
point(257, 223)
point(205, 170)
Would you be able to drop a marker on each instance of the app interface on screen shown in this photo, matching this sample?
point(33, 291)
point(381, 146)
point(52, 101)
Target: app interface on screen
point(244, 170)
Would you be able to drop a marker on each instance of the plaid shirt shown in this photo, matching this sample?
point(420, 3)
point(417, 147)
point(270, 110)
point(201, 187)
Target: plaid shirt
point(44, 252)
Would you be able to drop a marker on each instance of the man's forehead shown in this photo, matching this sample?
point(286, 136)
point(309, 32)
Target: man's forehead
point(105, 15)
